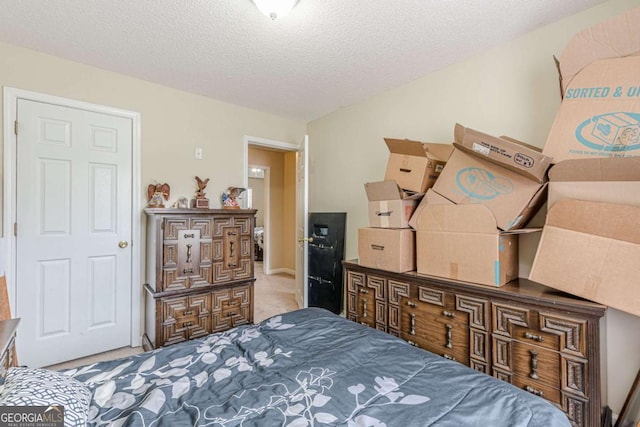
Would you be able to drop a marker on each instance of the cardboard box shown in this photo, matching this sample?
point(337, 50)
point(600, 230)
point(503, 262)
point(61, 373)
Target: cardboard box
point(389, 205)
point(591, 250)
point(600, 113)
point(609, 180)
point(512, 197)
point(430, 198)
point(514, 155)
point(462, 242)
point(415, 165)
point(614, 38)
point(387, 249)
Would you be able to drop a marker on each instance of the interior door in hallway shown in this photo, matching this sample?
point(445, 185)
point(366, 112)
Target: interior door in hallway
point(73, 211)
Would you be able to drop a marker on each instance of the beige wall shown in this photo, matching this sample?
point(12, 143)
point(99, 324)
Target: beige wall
point(509, 90)
point(279, 227)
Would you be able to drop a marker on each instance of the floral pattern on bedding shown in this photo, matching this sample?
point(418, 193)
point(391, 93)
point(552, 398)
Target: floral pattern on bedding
point(306, 368)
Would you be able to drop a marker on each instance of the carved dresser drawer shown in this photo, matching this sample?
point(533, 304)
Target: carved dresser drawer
point(543, 353)
point(199, 264)
point(450, 325)
point(540, 340)
point(367, 300)
point(185, 317)
point(231, 307)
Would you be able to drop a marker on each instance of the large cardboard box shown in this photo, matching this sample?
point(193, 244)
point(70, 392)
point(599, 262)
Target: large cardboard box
point(610, 180)
point(389, 205)
point(415, 165)
point(469, 178)
point(430, 198)
point(514, 155)
point(592, 250)
point(600, 113)
point(614, 38)
point(462, 242)
point(387, 249)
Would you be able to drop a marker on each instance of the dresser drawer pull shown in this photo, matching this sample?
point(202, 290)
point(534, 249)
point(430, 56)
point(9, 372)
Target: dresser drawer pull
point(186, 324)
point(534, 364)
point(364, 291)
point(413, 344)
point(446, 356)
point(448, 314)
point(449, 343)
point(232, 265)
point(412, 304)
point(534, 391)
point(364, 307)
point(231, 314)
point(188, 313)
point(233, 302)
point(189, 246)
point(533, 337)
point(412, 322)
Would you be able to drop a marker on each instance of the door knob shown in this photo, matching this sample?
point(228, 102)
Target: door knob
point(306, 239)
point(123, 244)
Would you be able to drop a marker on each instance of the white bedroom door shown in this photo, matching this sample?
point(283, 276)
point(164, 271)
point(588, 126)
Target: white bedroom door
point(73, 241)
point(302, 213)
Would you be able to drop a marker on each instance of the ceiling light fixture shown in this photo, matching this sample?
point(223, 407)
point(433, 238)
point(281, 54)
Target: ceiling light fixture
point(275, 8)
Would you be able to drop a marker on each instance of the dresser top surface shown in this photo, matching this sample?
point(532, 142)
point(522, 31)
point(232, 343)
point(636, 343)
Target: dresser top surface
point(521, 288)
point(198, 211)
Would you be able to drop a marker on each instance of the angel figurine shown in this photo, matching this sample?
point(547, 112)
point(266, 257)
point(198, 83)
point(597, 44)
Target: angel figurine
point(157, 194)
point(229, 197)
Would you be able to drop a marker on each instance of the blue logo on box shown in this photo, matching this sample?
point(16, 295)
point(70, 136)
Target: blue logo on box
point(612, 132)
point(481, 184)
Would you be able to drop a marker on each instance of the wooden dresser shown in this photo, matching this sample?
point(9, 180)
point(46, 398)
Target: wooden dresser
point(8, 358)
point(200, 273)
point(540, 340)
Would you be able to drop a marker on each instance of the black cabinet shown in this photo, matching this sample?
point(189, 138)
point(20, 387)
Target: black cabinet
point(326, 252)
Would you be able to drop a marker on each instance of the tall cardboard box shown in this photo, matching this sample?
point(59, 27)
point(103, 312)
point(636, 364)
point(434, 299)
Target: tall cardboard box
point(462, 242)
point(600, 113)
point(592, 250)
point(389, 205)
point(387, 249)
point(469, 178)
point(415, 165)
point(610, 180)
point(616, 37)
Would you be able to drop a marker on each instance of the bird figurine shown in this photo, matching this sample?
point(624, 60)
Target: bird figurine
point(201, 186)
point(157, 194)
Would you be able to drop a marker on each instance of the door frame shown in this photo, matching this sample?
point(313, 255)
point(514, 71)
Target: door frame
point(10, 105)
point(266, 191)
point(265, 143)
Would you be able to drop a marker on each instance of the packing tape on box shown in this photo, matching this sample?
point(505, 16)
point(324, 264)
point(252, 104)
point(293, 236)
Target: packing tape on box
point(384, 214)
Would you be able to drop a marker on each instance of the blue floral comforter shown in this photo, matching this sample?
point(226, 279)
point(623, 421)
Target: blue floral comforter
point(305, 368)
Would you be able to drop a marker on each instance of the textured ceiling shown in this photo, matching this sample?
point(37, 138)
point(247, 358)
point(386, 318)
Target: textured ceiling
point(324, 55)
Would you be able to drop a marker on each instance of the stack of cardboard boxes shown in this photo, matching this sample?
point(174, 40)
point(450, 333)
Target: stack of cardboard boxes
point(467, 224)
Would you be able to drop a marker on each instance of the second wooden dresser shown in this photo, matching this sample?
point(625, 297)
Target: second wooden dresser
point(200, 273)
point(538, 339)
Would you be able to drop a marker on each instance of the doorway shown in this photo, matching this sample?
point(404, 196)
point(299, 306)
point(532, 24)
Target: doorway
point(70, 263)
point(271, 177)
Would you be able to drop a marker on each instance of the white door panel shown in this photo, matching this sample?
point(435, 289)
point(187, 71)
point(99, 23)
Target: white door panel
point(73, 207)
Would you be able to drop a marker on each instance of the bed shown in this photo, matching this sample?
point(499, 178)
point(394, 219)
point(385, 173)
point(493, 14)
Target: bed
point(304, 368)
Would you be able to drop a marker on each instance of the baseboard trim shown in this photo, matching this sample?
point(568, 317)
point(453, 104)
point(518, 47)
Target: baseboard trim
point(282, 270)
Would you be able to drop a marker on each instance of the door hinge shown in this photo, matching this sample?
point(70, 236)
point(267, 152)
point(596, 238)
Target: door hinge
point(15, 127)
point(15, 229)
